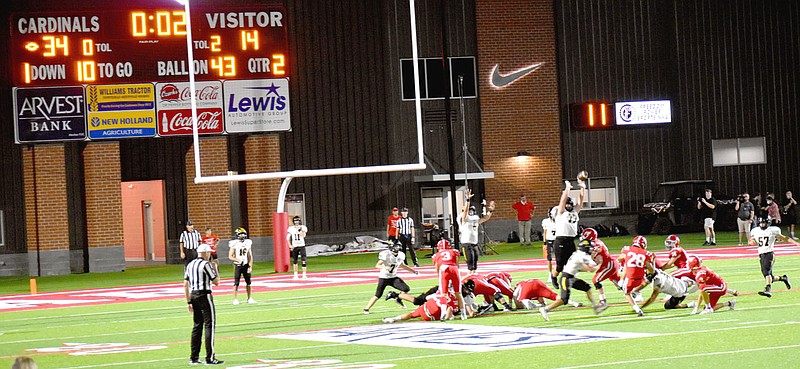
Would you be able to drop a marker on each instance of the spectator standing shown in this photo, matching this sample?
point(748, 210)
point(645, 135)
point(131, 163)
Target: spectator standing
point(790, 214)
point(210, 239)
point(772, 210)
point(198, 277)
point(745, 212)
point(524, 210)
point(707, 206)
point(391, 225)
point(190, 239)
point(407, 235)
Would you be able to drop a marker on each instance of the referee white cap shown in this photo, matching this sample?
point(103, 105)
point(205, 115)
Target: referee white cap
point(203, 248)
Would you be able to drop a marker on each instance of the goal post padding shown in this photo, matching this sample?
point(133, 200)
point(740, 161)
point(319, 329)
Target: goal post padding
point(280, 226)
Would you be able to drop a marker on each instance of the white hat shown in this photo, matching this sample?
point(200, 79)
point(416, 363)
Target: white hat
point(203, 248)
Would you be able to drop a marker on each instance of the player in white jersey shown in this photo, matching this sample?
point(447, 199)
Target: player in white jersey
point(241, 254)
point(567, 224)
point(468, 222)
point(581, 260)
point(764, 236)
point(676, 288)
point(296, 234)
point(388, 262)
point(549, 235)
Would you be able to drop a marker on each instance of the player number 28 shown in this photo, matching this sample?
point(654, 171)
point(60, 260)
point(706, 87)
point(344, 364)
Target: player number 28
point(635, 260)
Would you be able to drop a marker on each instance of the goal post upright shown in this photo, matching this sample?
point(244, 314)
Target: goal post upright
point(280, 218)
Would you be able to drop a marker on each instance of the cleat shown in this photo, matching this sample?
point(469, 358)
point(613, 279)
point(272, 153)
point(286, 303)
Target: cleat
point(707, 311)
point(391, 295)
point(543, 312)
point(575, 303)
point(295, 277)
point(236, 301)
point(304, 276)
point(214, 362)
point(765, 293)
point(388, 320)
point(731, 304)
point(251, 301)
point(416, 265)
point(528, 304)
point(600, 308)
point(785, 280)
point(194, 362)
point(463, 315)
point(706, 243)
point(484, 309)
point(400, 302)
point(639, 313)
point(554, 281)
point(366, 311)
point(713, 243)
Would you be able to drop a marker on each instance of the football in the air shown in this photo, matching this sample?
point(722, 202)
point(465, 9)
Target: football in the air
point(583, 175)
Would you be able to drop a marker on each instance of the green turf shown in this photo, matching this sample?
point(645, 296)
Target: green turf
point(760, 333)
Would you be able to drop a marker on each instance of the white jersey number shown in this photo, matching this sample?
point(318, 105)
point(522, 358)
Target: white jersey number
point(635, 260)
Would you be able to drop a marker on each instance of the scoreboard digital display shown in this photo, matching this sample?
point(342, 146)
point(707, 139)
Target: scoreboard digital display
point(70, 48)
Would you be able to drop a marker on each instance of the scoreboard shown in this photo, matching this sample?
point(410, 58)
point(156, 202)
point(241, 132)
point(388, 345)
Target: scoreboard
point(90, 73)
point(147, 45)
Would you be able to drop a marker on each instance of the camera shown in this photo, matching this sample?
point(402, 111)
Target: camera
point(741, 198)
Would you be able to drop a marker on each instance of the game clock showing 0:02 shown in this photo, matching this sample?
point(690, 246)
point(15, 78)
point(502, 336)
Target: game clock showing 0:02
point(147, 45)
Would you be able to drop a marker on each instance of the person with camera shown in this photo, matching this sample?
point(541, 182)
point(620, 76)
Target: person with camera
point(745, 212)
point(707, 208)
point(790, 214)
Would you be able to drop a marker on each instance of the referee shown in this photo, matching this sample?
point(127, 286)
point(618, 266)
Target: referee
point(190, 239)
point(406, 235)
point(198, 278)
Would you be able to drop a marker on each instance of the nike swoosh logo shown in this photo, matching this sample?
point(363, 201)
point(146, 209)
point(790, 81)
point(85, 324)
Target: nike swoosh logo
point(499, 80)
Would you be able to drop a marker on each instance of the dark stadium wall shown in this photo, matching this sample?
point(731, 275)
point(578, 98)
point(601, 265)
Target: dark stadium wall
point(729, 69)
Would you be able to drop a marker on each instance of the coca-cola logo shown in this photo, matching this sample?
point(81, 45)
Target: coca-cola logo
point(206, 121)
point(204, 94)
point(169, 92)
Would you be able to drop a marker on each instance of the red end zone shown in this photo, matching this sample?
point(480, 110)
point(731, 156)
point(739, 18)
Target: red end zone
point(282, 282)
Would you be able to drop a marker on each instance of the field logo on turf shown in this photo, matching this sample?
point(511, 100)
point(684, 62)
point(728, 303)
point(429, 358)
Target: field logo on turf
point(309, 364)
point(460, 337)
point(83, 349)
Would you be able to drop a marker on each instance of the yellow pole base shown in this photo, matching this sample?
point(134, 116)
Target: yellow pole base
point(33, 286)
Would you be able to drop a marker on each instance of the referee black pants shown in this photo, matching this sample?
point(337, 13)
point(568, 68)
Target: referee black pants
point(191, 254)
point(408, 248)
point(204, 317)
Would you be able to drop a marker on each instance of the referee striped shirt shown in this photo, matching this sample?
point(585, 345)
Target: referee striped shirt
point(199, 273)
point(405, 226)
point(190, 240)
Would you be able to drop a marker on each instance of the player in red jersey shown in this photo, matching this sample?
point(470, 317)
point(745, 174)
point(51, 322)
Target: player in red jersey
point(712, 287)
point(439, 307)
point(677, 255)
point(446, 262)
point(501, 280)
point(532, 289)
point(607, 266)
point(490, 293)
point(634, 259)
point(210, 239)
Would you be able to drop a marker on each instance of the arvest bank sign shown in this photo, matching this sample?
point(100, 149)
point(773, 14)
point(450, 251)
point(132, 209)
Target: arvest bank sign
point(257, 105)
point(174, 108)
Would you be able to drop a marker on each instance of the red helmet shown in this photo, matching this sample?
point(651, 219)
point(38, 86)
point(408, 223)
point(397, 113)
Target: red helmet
point(694, 262)
point(589, 234)
point(640, 242)
point(672, 241)
point(443, 244)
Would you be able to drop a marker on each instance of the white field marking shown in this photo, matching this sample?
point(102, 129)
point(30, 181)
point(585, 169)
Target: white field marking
point(723, 321)
point(683, 356)
point(184, 359)
point(754, 322)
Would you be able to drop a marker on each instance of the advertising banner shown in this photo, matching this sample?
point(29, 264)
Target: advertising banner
point(120, 111)
point(174, 108)
point(49, 114)
point(257, 106)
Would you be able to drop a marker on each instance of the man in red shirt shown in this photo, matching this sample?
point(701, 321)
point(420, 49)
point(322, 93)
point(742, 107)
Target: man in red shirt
point(634, 259)
point(712, 287)
point(391, 225)
point(524, 210)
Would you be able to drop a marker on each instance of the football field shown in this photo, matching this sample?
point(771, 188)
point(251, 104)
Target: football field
point(318, 323)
